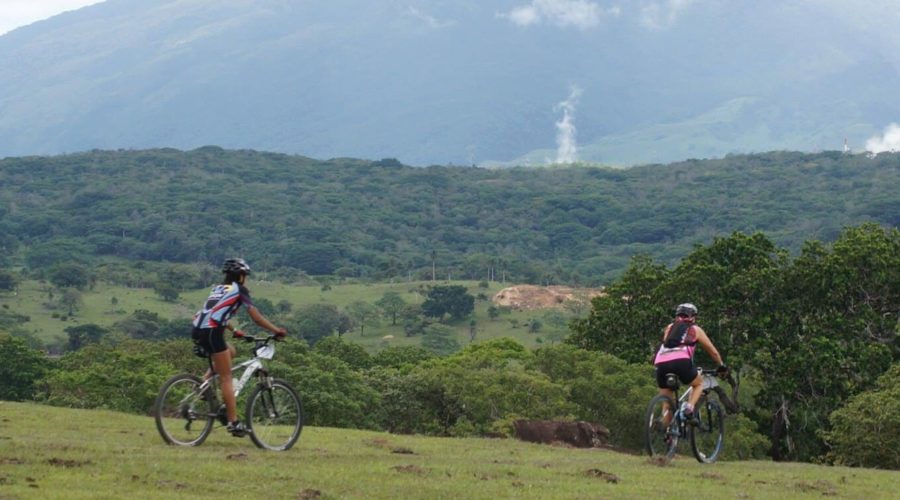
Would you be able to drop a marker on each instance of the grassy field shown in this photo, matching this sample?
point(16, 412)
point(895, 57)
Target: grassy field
point(48, 452)
point(33, 300)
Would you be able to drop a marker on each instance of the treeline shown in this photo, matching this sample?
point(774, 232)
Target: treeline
point(294, 216)
point(812, 339)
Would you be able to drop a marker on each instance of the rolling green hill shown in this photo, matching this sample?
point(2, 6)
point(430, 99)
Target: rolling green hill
point(382, 220)
point(64, 453)
point(106, 305)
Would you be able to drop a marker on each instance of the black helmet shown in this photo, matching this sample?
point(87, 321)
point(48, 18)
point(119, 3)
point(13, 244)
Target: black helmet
point(236, 266)
point(687, 309)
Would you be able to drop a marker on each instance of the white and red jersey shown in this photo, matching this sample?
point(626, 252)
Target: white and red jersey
point(223, 302)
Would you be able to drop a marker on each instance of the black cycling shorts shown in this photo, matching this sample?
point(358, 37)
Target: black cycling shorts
point(683, 368)
point(211, 339)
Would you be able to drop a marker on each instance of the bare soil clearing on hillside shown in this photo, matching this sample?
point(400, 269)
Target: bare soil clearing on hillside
point(530, 297)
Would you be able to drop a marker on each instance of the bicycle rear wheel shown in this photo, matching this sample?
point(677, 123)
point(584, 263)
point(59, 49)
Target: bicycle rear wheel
point(661, 435)
point(708, 436)
point(275, 416)
point(183, 416)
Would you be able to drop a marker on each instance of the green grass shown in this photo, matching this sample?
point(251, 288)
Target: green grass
point(32, 299)
point(48, 452)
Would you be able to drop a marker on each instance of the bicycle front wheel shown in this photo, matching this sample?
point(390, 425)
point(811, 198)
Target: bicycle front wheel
point(661, 427)
point(275, 416)
point(708, 435)
point(184, 417)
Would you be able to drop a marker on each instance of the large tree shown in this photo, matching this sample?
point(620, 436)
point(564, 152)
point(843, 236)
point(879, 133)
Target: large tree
point(452, 300)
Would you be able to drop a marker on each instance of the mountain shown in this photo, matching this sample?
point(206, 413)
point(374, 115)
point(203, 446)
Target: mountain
point(462, 82)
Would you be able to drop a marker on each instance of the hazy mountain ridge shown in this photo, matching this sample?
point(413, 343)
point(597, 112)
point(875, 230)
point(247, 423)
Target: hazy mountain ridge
point(432, 82)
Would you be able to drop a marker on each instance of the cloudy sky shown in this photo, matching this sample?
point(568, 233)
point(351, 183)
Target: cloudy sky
point(15, 13)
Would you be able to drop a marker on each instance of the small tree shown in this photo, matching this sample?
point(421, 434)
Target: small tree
point(439, 340)
point(363, 314)
point(82, 335)
point(70, 299)
point(69, 275)
point(20, 367)
point(391, 304)
point(166, 291)
point(8, 280)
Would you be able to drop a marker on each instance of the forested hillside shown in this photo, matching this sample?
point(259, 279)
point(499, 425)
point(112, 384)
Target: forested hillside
point(383, 219)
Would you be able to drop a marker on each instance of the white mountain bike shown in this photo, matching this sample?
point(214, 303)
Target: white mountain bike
point(188, 407)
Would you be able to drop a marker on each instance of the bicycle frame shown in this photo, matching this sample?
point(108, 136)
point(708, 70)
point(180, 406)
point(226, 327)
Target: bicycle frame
point(251, 367)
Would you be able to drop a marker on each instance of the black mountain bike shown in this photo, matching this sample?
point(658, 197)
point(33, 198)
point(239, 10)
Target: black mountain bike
point(665, 424)
point(187, 407)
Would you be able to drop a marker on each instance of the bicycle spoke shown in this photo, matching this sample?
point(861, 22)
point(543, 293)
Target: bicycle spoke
point(707, 438)
point(182, 414)
point(661, 436)
point(275, 415)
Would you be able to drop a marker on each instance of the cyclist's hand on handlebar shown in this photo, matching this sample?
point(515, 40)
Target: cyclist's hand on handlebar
point(280, 333)
point(722, 370)
point(237, 334)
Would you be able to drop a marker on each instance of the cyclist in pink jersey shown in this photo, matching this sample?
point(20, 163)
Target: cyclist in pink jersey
point(676, 354)
point(211, 322)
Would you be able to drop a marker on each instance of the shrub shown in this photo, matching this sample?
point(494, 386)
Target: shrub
point(866, 431)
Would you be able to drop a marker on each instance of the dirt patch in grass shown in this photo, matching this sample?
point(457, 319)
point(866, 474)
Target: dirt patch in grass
point(309, 494)
point(11, 461)
point(68, 464)
point(599, 474)
point(237, 456)
point(402, 450)
point(711, 475)
point(822, 486)
point(410, 469)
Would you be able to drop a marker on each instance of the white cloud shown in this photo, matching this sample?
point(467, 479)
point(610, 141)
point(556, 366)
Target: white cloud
point(660, 15)
point(582, 14)
point(429, 21)
point(16, 13)
point(890, 141)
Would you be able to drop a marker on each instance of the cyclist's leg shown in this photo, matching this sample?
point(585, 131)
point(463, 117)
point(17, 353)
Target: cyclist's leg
point(665, 391)
point(221, 358)
point(697, 390)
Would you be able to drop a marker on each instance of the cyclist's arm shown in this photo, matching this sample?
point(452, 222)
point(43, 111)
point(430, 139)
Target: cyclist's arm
point(261, 320)
point(707, 345)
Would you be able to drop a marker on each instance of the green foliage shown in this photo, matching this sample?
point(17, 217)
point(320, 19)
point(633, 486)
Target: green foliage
point(363, 314)
point(125, 377)
point(820, 326)
point(402, 357)
point(69, 274)
point(316, 321)
point(604, 389)
point(742, 439)
point(333, 393)
point(147, 325)
point(8, 280)
point(488, 222)
point(82, 335)
point(166, 291)
point(439, 339)
point(20, 368)
point(452, 300)
point(391, 305)
point(352, 354)
point(866, 431)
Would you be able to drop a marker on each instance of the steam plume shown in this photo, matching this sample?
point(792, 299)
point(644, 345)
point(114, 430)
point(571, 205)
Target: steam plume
point(890, 141)
point(566, 147)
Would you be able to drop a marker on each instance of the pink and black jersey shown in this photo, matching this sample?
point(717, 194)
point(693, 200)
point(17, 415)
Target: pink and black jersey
point(223, 302)
point(684, 350)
